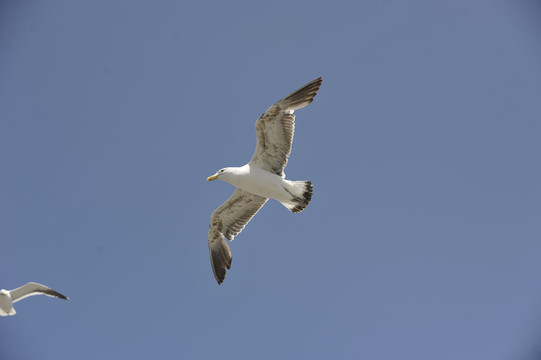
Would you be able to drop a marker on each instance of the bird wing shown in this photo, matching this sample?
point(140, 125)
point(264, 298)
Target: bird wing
point(32, 289)
point(226, 222)
point(275, 128)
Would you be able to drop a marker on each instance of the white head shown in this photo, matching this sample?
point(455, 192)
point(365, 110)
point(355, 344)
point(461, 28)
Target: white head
point(224, 174)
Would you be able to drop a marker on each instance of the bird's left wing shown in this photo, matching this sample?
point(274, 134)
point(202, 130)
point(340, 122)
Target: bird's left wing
point(225, 223)
point(33, 288)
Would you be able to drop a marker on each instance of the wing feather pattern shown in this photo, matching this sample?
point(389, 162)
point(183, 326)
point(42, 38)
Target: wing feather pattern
point(227, 222)
point(275, 128)
point(33, 288)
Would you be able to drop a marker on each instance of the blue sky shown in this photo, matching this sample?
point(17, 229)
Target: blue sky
point(422, 240)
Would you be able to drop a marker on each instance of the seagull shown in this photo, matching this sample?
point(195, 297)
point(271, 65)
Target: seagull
point(7, 298)
point(261, 179)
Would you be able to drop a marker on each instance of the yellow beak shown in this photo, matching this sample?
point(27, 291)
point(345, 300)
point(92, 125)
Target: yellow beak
point(213, 177)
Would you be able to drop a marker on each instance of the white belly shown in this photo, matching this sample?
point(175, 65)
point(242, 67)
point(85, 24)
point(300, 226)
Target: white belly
point(262, 183)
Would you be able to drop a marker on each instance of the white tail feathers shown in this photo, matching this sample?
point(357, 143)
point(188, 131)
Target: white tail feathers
point(301, 191)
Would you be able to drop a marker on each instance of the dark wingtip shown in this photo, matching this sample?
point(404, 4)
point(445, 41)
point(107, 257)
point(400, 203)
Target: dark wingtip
point(219, 272)
point(220, 259)
point(220, 278)
point(303, 96)
point(57, 295)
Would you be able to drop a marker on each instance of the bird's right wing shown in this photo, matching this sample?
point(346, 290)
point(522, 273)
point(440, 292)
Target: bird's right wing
point(33, 288)
point(225, 223)
point(275, 128)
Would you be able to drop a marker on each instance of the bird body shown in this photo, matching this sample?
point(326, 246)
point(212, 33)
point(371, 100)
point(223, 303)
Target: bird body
point(269, 185)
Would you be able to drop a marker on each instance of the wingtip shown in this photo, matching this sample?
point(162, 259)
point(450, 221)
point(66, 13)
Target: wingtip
point(219, 270)
point(220, 257)
point(317, 81)
point(303, 96)
point(220, 277)
point(60, 296)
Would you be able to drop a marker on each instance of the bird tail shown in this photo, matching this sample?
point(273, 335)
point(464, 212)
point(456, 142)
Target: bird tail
point(302, 194)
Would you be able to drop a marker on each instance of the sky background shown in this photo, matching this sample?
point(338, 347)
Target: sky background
point(422, 240)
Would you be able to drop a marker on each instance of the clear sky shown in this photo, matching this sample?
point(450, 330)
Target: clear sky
point(422, 240)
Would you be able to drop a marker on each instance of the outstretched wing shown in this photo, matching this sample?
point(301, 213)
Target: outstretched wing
point(275, 128)
point(227, 222)
point(33, 288)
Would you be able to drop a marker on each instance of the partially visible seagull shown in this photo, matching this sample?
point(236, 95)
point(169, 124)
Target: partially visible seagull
point(7, 298)
point(262, 178)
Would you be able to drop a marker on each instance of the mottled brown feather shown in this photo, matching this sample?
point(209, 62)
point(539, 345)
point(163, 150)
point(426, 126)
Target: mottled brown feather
point(275, 129)
point(227, 222)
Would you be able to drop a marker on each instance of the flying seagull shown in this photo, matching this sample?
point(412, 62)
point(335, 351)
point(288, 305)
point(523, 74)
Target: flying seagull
point(7, 298)
point(262, 178)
